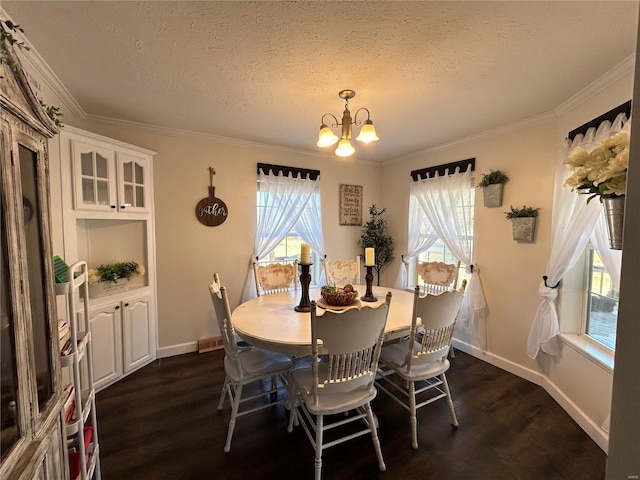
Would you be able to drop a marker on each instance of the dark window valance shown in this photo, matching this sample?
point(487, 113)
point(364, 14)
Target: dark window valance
point(441, 169)
point(610, 115)
point(267, 169)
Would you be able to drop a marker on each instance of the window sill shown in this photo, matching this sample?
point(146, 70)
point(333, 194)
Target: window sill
point(598, 355)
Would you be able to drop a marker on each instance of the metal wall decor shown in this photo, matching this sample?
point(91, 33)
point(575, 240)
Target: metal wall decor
point(211, 211)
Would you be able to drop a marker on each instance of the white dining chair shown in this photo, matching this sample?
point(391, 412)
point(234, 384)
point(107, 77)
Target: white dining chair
point(438, 276)
point(345, 347)
point(341, 272)
point(419, 362)
point(246, 366)
point(275, 277)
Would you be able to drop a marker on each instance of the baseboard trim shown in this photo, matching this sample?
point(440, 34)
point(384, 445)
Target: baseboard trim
point(500, 362)
point(172, 350)
point(597, 433)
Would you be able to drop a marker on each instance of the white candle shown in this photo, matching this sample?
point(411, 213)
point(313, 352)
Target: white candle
point(369, 257)
point(305, 254)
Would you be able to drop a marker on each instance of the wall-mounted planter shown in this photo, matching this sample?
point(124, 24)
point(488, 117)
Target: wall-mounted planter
point(492, 195)
point(524, 229)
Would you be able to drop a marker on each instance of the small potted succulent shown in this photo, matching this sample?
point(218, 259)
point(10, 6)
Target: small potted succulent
point(523, 222)
point(492, 184)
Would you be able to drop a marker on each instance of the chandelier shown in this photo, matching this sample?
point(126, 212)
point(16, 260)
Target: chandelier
point(326, 137)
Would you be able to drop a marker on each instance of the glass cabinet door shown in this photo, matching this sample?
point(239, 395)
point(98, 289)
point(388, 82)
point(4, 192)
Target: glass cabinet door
point(9, 403)
point(94, 178)
point(133, 183)
point(36, 275)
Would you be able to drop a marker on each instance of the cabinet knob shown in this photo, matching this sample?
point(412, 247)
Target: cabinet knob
point(113, 206)
point(117, 307)
point(126, 304)
point(122, 207)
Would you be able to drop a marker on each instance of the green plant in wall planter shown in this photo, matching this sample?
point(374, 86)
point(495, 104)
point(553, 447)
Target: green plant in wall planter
point(523, 222)
point(492, 185)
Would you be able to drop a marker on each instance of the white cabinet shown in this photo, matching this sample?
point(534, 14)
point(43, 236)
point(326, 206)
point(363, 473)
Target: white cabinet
point(105, 215)
point(136, 332)
point(106, 329)
point(123, 333)
point(106, 179)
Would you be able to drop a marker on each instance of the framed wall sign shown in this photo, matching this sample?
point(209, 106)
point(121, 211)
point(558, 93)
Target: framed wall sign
point(350, 205)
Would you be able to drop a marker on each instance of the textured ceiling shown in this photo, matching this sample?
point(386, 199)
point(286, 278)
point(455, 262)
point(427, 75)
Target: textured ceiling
point(429, 72)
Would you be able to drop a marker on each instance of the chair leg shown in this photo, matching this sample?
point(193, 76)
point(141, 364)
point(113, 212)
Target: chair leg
point(452, 352)
point(292, 404)
point(234, 414)
point(445, 384)
point(374, 436)
point(274, 383)
point(319, 432)
point(225, 386)
point(413, 414)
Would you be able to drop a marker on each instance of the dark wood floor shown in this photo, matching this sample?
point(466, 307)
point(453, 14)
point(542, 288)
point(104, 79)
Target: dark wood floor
point(161, 423)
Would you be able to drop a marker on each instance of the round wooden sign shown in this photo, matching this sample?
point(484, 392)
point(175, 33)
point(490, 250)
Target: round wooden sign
point(211, 211)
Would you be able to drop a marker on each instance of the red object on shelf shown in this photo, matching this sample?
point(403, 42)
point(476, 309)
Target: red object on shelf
point(74, 458)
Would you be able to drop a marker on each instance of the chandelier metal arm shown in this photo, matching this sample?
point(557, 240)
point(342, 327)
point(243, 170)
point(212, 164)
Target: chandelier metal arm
point(355, 116)
point(336, 124)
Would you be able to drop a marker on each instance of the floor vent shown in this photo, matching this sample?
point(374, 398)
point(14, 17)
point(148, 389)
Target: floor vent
point(209, 344)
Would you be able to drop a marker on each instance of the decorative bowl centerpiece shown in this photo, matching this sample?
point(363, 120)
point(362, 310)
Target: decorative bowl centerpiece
point(339, 296)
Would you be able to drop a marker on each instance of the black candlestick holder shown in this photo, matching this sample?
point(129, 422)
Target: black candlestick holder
point(369, 296)
point(305, 280)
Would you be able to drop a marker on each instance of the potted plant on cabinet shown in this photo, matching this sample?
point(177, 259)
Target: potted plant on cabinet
point(108, 279)
point(492, 184)
point(523, 222)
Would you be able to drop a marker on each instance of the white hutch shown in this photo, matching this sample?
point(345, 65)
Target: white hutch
point(105, 211)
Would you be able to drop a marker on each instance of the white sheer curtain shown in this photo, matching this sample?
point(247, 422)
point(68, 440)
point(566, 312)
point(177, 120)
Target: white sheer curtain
point(309, 226)
point(421, 237)
point(282, 201)
point(612, 259)
point(573, 223)
point(447, 202)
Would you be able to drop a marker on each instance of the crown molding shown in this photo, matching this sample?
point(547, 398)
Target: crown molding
point(625, 67)
point(174, 132)
point(501, 130)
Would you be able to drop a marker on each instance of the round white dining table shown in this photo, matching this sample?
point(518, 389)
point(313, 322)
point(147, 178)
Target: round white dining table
point(270, 321)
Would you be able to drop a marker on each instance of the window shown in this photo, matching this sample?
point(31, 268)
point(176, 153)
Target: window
point(288, 214)
point(438, 251)
point(288, 250)
point(602, 303)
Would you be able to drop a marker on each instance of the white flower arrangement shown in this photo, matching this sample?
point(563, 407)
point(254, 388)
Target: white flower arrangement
point(603, 172)
point(114, 271)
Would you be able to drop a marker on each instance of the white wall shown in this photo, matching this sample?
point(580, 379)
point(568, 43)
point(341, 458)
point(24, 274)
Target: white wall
point(188, 252)
point(511, 272)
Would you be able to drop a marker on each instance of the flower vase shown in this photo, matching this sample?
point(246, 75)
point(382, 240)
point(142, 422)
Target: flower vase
point(614, 211)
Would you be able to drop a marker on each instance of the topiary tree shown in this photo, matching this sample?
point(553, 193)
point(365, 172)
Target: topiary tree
point(374, 234)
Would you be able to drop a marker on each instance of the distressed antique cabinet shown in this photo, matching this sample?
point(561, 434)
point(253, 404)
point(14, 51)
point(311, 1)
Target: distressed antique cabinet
point(33, 444)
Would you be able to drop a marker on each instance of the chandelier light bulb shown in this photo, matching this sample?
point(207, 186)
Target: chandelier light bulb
point(367, 133)
point(326, 137)
point(345, 149)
